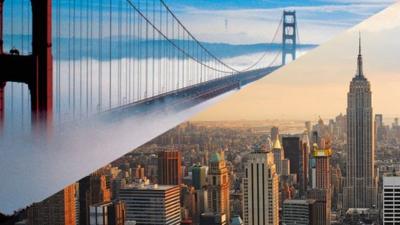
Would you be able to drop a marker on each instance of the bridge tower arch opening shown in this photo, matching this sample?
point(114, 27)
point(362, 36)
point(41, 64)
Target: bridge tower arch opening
point(34, 69)
point(289, 35)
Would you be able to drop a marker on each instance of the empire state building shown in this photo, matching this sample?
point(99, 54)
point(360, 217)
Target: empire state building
point(360, 186)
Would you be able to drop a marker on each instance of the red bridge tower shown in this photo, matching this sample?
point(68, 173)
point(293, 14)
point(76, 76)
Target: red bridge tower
point(35, 70)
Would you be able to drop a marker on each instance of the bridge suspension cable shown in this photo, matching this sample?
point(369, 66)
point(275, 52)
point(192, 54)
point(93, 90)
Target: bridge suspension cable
point(110, 53)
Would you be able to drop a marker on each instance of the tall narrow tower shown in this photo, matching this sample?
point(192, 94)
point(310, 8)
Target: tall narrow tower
point(322, 190)
point(261, 189)
point(289, 35)
point(360, 187)
point(218, 186)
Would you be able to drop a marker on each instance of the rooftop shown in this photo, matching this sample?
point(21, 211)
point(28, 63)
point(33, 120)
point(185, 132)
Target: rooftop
point(299, 201)
point(149, 187)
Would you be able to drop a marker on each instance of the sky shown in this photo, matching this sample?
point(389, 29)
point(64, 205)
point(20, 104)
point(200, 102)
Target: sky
point(235, 21)
point(317, 83)
point(254, 21)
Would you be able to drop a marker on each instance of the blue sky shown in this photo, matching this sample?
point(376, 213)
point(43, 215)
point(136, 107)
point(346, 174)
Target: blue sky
point(253, 21)
point(250, 21)
point(239, 4)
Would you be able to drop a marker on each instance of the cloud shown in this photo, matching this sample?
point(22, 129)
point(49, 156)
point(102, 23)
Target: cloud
point(249, 25)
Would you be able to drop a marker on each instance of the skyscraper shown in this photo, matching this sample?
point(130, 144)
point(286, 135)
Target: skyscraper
point(296, 150)
point(380, 132)
point(292, 146)
point(169, 168)
point(360, 187)
point(107, 213)
point(218, 186)
point(274, 134)
point(391, 200)
point(322, 190)
point(278, 155)
point(152, 204)
point(59, 209)
point(92, 190)
point(261, 189)
point(299, 212)
point(199, 176)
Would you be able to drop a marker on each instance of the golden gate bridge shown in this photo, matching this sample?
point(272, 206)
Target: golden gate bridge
point(68, 60)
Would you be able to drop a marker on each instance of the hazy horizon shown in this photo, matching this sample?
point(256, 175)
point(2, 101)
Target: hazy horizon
point(317, 83)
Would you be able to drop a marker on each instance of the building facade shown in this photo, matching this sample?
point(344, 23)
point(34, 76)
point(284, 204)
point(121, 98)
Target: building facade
point(261, 190)
point(391, 200)
point(59, 209)
point(169, 168)
point(152, 204)
point(107, 213)
point(299, 212)
point(322, 190)
point(199, 176)
point(218, 186)
point(279, 155)
point(360, 189)
point(296, 150)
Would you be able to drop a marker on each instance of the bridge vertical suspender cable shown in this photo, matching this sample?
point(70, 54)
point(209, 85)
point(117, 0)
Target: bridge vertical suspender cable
point(91, 57)
point(87, 58)
point(110, 58)
point(69, 55)
point(119, 51)
point(100, 75)
point(81, 58)
point(22, 52)
point(129, 53)
point(160, 56)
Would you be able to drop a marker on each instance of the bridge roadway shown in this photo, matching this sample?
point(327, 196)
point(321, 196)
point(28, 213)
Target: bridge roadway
point(186, 97)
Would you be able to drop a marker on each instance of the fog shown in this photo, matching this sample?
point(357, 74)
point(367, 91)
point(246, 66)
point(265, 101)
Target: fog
point(34, 167)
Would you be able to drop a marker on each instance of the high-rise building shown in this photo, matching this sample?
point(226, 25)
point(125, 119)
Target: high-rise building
point(296, 151)
point(299, 212)
point(292, 147)
point(322, 190)
point(59, 209)
point(169, 168)
point(278, 155)
point(201, 204)
point(199, 176)
point(261, 189)
point(391, 200)
point(218, 186)
point(337, 186)
point(92, 190)
point(274, 134)
point(107, 213)
point(285, 167)
point(152, 204)
point(303, 165)
point(380, 129)
point(361, 185)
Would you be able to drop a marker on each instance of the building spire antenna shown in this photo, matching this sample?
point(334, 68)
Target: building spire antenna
point(359, 42)
point(359, 58)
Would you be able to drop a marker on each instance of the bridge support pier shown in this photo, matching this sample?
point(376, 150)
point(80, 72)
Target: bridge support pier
point(35, 70)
